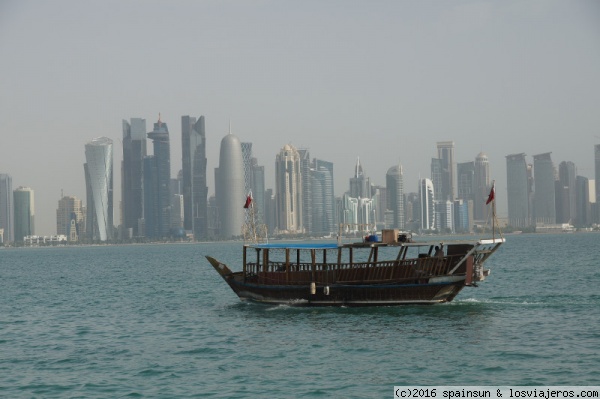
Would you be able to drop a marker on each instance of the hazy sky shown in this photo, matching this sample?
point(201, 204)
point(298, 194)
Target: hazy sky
point(379, 80)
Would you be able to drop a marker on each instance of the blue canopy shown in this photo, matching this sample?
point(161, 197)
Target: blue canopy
point(296, 246)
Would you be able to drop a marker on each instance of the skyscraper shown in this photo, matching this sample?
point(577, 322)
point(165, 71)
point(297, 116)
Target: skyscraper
point(69, 209)
point(254, 180)
point(481, 186)
point(518, 191)
point(195, 189)
point(288, 183)
point(465, 178)
point(6, 208)
point(157, 175)
point(24, 213)
point(307, 196)
point(132, 196)
point(247, 161)
point(544, 197)
point(394, 182)
point(427, 204)
point(323, 201)
point(446, 155)
point(99, 188)
point(360, 185)
point(230, 187)
point(582, 199)
point(566, 206)
point(436, 177)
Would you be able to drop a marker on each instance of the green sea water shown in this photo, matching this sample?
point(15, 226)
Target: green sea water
point(156, 321)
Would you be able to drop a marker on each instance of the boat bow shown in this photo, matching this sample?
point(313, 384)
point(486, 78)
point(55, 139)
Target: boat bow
point(221, 268)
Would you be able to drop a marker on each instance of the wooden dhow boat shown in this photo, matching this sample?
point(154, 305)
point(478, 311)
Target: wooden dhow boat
point(358, 274)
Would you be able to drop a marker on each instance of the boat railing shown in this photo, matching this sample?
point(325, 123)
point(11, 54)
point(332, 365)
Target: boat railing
point(357, 272)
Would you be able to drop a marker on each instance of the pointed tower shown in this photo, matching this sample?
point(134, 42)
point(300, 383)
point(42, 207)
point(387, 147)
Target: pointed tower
point(229, 184)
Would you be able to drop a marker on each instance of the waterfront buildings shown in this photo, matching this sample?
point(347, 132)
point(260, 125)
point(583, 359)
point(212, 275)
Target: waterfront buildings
point(254, 180)
point(566, 206)
point(132, 190)
point(481, 186)
point(305, 174)
point(288, 186)
point(360, 184)
point(394, 180)
point(465, 179)
point(427, 204)
point(582, 200)
point(132, 197)
point(69, 218)
point(195, 189)
point(247, 162)
point(6, 209)
point(157, 180)
point(99, 189)
point(544, 196)
point(323, 200)
point(24, 213)
point(519, 190)
point(230, 187)
point(446, 157)
point(258, 188)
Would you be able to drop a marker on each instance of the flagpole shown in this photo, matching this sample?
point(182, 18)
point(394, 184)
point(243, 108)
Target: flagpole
point(494, 218)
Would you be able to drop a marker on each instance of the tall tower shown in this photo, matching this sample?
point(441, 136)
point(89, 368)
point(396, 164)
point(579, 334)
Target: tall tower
point(158, 216)
point(360, 185)
point(582, 199)
point(427, 204)
point(69, 208)
point(436, 177)
point(24, 213)
point(465, 179)
point(258, 187)
point(323, 205)
point(195, 190)
point(395, 195)
point(132, 194)
point(99, 183)
point(6, 208)
point(518, 190)
point(247, 161)
point(288, 183)
point(566, 203)
point(481, 186)
point(230, 186)
point(307, 196)
point(446, 155)
point(544, 197)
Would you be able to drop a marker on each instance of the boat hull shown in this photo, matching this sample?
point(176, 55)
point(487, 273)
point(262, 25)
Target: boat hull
point(391, 294)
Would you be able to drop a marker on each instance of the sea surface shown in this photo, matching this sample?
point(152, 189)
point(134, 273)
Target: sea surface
point(156, 321)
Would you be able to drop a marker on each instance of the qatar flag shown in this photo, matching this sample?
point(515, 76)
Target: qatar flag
point(492, 194)
point(248, 202)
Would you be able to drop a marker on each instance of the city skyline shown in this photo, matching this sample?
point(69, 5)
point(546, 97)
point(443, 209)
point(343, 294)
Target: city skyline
point(494, 77)
point(549, 168)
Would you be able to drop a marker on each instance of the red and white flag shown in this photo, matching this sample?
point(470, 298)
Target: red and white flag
point(492, 195)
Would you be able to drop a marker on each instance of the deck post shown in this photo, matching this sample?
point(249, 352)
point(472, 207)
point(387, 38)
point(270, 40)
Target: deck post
point(287, 265)
point(339, 264)
point(244, 264)
point(265, 260)
point(325, 271)
point(313, 261)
